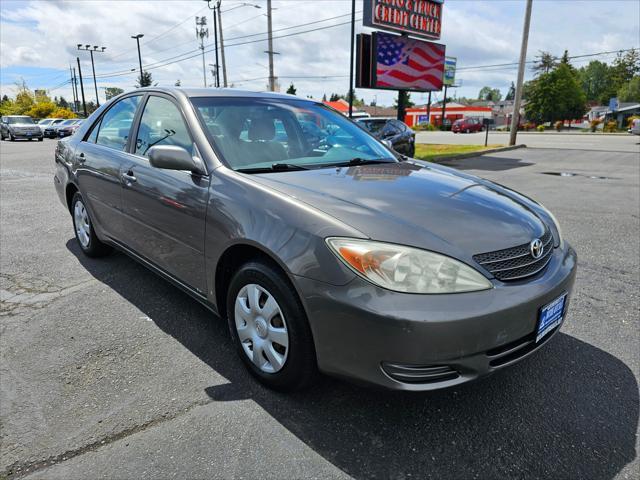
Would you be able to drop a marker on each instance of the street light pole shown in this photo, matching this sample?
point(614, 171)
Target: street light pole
point(515, 119)
point(93, 68)
point(353, 29)
point(138, 37)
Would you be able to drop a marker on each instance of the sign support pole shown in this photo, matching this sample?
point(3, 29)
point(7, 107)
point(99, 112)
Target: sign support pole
point(353, 31)
point(444, 107)
point(429, 110)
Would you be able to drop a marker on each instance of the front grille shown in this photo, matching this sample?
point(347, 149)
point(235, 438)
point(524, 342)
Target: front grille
point(516, 262)
point(419, 373)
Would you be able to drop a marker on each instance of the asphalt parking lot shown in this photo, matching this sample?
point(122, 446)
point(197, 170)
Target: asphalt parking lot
point(107, 371)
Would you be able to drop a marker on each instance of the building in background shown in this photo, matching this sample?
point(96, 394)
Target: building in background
point(453, 111)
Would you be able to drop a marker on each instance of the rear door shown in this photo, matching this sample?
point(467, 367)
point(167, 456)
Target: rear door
point(99, 158)
point(164, 210)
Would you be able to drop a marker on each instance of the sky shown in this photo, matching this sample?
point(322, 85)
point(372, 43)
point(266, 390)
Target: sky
point(38, 42)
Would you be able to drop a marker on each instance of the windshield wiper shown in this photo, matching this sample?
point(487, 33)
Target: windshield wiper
point(361, 161)
point(275, 167)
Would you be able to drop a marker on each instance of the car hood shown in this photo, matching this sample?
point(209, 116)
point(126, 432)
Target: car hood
point(23, 125)
point(416, 204)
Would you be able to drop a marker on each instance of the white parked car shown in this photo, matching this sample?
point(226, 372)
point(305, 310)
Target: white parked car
point(635, 127)
point(47, 122)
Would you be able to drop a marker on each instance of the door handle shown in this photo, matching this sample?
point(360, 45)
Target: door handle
point(81, 158)
point(129, 177)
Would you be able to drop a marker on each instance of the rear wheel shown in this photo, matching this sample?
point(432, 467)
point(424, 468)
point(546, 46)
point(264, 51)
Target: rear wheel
point(40, 139)
point(83, 227)
point(270, 328)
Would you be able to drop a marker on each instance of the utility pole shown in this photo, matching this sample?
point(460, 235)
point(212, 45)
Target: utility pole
point(202, 32)
point(138, 37)
point(216, 74)
point(353, 33)
point(84, 104)
point(272, 77)
point(73, 91)
point(93, 68)
point(515, 119)
point(224, 64)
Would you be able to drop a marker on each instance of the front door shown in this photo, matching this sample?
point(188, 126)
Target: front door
point(164, 210)
point(99, 159)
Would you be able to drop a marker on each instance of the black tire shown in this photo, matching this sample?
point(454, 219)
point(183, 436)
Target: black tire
point(11, 137)
point(467, 131)
point(412, 151)
point(40, 139)
point(94, 248)
point(300, 367)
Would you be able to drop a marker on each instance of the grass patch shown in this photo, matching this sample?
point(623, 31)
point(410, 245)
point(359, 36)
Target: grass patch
point(428, 151)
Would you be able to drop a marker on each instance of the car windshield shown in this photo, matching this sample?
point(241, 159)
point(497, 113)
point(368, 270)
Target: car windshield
point(20, 120)
point(68, 122)
point(45, 121)
point(258, 133)
point(373, 126)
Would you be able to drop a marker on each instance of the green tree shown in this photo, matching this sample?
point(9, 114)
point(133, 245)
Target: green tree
point(334, 97)
point(564, 60)
point(324, 97)
point(511, 94)
point(42, 109)
point(144, 80)
point(595, 80)
point(111, 92)
point(630, 92)
point(489, 94)
point(291, 90)
point(545, 62)
point(556, 95)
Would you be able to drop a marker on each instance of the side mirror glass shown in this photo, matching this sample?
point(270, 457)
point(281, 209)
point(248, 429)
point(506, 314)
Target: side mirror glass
point(172, 157)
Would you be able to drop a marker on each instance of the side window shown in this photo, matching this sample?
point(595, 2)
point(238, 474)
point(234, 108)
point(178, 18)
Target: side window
point(162, 124)
point(399, 125)
point(115, 125)
point(92, 137)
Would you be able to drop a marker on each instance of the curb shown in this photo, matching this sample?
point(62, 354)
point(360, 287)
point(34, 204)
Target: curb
point(475, 154)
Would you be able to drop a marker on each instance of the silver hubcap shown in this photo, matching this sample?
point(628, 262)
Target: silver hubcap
point(83, 229)
point(261, 328)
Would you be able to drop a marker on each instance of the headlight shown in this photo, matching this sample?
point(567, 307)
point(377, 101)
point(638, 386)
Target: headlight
point(406, 269)
point(555, 222)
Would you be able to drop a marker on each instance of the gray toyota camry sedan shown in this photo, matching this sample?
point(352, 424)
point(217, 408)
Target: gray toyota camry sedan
point(324, 249)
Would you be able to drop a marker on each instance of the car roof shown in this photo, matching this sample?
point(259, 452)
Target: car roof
point(220, 92)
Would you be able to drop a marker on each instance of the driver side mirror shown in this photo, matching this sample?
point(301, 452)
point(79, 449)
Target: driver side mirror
point(172, 157)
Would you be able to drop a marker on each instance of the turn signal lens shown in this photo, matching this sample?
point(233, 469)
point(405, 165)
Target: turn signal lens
point(406, 269)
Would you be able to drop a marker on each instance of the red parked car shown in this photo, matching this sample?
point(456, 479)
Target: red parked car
point(467, 125)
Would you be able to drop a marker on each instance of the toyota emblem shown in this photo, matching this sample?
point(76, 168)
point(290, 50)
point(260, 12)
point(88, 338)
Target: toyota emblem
point(537, 248)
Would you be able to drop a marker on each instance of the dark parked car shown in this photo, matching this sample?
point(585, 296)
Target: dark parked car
point(330, 255)
point(65, 130)
point(467, 125)
point(401, 137)
point(14, 127)
point(51, 131)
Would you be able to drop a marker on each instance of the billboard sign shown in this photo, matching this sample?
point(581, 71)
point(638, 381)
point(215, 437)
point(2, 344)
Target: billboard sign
point(449, 71)
point(403, 63)
point(421, 18)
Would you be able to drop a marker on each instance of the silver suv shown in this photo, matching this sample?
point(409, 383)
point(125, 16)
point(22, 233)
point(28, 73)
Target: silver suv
point(19, 126)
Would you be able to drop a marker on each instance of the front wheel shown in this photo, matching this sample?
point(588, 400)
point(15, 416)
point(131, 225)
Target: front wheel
point(270, 328)
point(85, 235)
point(40, 139)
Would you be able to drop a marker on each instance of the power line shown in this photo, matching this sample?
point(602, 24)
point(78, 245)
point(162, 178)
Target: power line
point(176, 59)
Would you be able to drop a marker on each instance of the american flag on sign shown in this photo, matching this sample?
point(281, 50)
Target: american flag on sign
point(406, 63)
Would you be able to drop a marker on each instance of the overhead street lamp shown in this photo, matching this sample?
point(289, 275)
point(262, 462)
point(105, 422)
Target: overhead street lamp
point(93, 68)
point(138, 37)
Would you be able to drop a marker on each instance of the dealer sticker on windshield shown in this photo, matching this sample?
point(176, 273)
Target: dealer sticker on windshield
point(550, 316)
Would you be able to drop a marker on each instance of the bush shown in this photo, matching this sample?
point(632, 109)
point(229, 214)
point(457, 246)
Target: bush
point(540, 128)
point(424, 127)
point(558, 125)
point(610, 127)
point(594, 124)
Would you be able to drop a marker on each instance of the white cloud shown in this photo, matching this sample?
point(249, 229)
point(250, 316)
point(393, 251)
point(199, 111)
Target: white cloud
point(45, 34)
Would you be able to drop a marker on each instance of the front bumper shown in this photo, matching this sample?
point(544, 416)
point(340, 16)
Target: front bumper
point(17, 135)
point(359, 327)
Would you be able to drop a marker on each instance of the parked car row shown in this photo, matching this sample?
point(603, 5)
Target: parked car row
point(16, 127)
point(400, 137)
